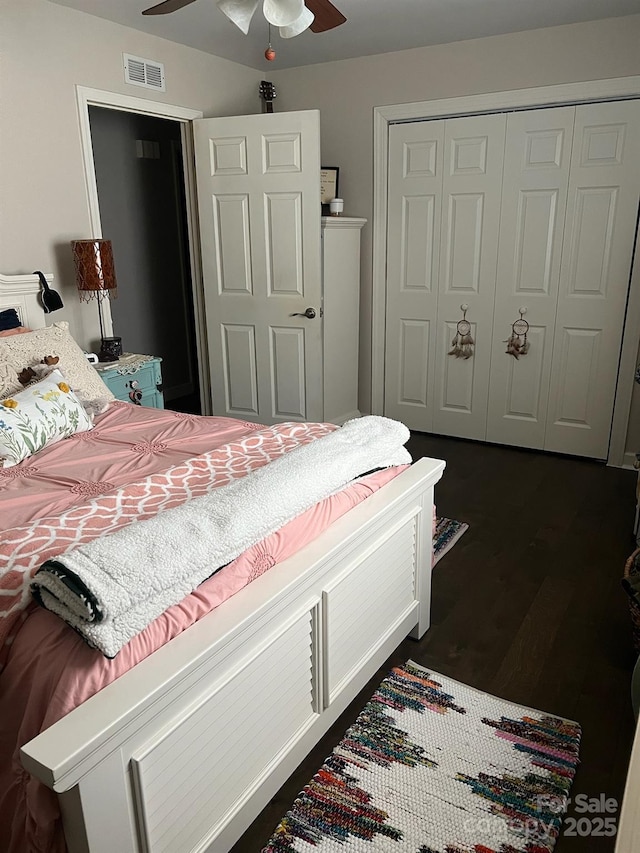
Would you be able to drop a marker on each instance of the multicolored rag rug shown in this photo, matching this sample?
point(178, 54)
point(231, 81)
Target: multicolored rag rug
point(446, 533)
point(434, 766)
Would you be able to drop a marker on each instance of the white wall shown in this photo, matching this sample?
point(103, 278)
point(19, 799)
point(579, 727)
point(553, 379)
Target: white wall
point(347, 91)
point(46, 50)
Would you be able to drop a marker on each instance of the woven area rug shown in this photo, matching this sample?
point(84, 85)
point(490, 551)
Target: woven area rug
point(434, 766)
point(446, 533)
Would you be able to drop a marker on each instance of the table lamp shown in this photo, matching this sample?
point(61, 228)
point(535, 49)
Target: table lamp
point(96, 278)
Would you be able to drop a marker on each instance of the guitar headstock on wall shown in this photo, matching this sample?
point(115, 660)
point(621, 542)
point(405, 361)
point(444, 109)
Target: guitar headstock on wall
point(267, 93)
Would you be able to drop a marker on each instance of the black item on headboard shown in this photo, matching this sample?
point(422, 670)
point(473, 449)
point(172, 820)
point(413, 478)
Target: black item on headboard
point(9, 319)
point(51, 300)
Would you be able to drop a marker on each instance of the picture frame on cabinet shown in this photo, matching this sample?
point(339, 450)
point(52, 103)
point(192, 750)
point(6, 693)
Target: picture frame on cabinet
point(329, 176)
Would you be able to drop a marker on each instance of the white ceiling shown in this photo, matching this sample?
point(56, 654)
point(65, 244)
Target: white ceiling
point(373, 26)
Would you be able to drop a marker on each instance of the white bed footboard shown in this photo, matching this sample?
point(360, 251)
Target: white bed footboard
point(181, 753)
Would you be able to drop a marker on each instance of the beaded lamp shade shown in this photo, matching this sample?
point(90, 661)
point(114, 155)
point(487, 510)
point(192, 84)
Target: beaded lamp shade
point(95, 272)
point(96, 277)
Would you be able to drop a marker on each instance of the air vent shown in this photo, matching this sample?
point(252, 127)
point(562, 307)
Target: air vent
point(143, 72)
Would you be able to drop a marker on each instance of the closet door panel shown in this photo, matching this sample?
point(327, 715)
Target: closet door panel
point(577, 359)
point(472, 180)
point(414, 212)
point(459, 375)
point(601, 226)
point(534, 197)
point(525, 393)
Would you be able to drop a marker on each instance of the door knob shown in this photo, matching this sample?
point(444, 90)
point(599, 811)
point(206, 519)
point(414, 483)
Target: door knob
point(310, 313)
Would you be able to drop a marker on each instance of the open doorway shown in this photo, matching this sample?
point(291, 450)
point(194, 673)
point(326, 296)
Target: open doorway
point(138, 161)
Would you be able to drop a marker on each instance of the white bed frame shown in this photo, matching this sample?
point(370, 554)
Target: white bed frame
point(22, 292)
point(181, 753)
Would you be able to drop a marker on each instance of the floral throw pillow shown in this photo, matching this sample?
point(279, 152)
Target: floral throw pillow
point(42, 414)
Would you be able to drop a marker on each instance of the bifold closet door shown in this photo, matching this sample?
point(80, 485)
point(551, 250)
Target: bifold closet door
point(471, 190)
point(443, 220)
point(532, 221)
point(569, 208)
point(534, 213)
point(413, 254)
point(600, 230)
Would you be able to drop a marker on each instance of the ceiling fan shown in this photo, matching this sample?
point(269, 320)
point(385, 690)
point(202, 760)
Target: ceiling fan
point(291, 16)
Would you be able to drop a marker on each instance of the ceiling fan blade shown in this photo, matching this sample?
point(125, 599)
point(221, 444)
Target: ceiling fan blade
point(167, 6)
point(326, 15)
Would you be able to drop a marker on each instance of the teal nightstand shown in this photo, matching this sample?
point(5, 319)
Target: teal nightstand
point(135, 379)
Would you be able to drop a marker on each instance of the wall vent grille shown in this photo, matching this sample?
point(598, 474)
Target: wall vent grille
point(143, 72)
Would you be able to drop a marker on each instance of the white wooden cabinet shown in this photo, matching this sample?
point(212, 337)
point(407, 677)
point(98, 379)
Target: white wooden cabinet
point(341, 309)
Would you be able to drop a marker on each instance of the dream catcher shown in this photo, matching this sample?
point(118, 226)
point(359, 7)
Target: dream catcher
point(462, 343)
point(517, 343)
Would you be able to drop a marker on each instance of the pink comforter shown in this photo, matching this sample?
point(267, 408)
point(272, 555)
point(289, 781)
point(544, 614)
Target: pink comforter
point(135, 461)
point(123, 470)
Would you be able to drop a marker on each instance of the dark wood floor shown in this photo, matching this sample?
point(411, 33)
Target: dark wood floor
point(527, 606)
point(189, 404)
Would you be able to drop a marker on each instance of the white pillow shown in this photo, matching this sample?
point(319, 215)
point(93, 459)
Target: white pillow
point(27, 350)
point(42, 414)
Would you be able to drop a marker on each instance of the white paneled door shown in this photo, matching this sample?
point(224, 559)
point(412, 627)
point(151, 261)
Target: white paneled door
point(528, 215)
point(602, 210)
point(471, 183)
point(534, 202)
point(259, 210)
point(444, 207)
point(413, 263)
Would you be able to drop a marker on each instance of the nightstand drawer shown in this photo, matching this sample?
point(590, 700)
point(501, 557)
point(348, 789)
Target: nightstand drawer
point(135, 379)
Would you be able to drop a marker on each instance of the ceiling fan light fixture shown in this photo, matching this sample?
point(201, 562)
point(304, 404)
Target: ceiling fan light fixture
point(239, 12)
point(283, 13)
point(292, 17)
point(299, 26)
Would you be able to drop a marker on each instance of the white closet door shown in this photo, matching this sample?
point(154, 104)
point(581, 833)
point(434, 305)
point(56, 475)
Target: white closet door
point(444, 202)
point(413, 246)
point(602, 211)
point(472, 184)
point(534, 198)
point(535, 212)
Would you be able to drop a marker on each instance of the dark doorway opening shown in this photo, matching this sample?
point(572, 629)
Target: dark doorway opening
point(139, 173)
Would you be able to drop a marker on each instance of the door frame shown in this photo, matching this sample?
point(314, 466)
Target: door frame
point(86, 97)
point(619, 88)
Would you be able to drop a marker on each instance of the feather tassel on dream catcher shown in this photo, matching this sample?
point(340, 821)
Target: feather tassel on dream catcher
point(462, 343)
point(517, 343)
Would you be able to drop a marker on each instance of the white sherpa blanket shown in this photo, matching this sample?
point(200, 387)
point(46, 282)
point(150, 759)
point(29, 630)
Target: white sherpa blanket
point(110, 589)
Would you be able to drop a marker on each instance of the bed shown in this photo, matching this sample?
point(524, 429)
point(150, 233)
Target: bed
point(182, 751)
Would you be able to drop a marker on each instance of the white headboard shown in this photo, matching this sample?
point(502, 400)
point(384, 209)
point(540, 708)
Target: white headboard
point(22, 293)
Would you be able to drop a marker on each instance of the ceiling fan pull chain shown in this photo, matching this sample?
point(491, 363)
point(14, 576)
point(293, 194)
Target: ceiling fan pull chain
point(269, 53)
